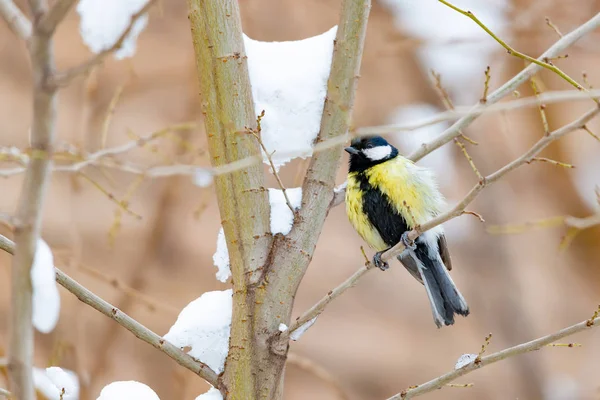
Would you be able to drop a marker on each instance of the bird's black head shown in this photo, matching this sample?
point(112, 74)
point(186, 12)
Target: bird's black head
point(368, 151)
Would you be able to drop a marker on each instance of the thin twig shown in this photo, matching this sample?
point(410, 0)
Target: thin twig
point(486, 85)
point(554, 27)
point(492, 358)
point(592, 134)
point(318, 308)
point(50, 21)
point(544, 62)
point(63, 78)
point(16, 20)
point(445, 97)
point(256, 133)
point(583, 223)
point(541, 107)
point(133, 326)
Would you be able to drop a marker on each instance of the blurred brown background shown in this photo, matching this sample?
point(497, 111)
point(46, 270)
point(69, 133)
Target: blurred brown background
point(379, 337)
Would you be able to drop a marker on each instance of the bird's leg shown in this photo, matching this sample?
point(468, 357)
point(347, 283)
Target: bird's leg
point(406, 241)
point(378, 262)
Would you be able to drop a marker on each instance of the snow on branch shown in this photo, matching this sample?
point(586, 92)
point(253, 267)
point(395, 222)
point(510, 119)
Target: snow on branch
point(46, 299)
point(122, 16)
point(203, 328)
point(289, 83)
point(212, 394)
point(281, 221)
point(53, 380)
point(127, 390)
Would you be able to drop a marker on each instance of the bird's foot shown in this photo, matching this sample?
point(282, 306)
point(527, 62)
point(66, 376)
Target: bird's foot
point(379, 263)
point(406, 241)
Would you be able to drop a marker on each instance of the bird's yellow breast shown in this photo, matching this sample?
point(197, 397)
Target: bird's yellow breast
point(358, 219)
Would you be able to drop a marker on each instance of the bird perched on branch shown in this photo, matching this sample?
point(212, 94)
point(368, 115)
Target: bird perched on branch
point(386, 197)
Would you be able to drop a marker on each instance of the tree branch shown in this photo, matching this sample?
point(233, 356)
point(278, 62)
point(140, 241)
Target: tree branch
point(55, 16)
point(16, 20)
point(62, 79)
point(133, 326)
point(294, 251)
point(29, 212)
point(228, 109)
point(492, 358)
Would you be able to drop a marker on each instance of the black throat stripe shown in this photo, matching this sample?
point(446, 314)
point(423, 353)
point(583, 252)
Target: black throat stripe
point(380, 212)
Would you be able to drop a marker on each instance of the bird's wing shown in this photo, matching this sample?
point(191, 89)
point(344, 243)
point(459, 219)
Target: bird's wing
point(411, 266)
point(444, 253)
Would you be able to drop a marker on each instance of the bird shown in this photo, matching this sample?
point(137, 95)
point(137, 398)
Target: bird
point(387, 196)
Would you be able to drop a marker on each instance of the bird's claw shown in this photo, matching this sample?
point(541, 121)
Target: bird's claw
point(406, 241)
point(379, 263)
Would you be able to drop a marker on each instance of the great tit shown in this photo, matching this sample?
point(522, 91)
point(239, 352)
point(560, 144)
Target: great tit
point(387, 196)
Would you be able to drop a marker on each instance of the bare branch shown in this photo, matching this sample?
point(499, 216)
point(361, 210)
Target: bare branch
point(256, 133)
point(50, 21)
point(544, 62)
point(16, 20)
point(5, 393)
point(63, 78)
point(492, 358)
point(29, 212)
point(133, 326)
point(318, 308)
point(507, 88)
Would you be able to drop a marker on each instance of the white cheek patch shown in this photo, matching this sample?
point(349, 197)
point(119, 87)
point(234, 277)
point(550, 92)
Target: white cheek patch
point(378, 153)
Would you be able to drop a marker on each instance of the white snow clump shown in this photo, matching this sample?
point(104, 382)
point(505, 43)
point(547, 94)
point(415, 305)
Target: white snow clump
point(289, 82)
point(127, 390)
point(204, 326)
point(281, 222)
point(46, 299)
point(212, 394)
point(302, 329)
point(53, 380)
point(465, 359)
point(104, 21)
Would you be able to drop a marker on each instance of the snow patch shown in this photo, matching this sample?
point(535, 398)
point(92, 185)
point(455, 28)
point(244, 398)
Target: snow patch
point(127, 390)
point(289, 82)
point(282, 220)
point(51, 381)
point(302, 329)
point(204, 326)
point(104, 21)
point(221, 258)
point(46, 299)
point(465, 359)
point(282, 217)
point(283, 327)
point(212, 394)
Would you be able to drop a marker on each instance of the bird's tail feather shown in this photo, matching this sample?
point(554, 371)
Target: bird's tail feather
point(443, 294)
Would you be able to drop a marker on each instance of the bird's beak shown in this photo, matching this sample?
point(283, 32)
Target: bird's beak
point(351, 150)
